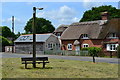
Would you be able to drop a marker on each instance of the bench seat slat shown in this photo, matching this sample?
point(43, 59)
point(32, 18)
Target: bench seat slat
point(33, 62)
point(29, 60)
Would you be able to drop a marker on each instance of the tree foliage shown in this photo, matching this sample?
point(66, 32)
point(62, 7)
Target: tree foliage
point(42, 26)
point(93, 51)
point(4, 41)
point(6, 32)
point(95, 13)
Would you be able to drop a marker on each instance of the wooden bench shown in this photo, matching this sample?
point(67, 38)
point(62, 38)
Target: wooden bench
point(29, 60)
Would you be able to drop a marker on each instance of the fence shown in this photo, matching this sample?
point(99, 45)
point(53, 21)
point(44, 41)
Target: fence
point(66, 53)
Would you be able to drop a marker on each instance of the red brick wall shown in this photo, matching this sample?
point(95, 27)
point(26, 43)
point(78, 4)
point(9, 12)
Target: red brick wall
point(92, 43)
point(66, 42)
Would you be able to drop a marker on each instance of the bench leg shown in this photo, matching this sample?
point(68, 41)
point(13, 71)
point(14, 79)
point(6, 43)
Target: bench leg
point(43, 65)
point(25, 66)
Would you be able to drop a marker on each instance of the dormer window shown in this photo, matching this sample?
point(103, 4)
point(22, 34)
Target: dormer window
point(112, 36)
point(58, 35)
point(84, 36)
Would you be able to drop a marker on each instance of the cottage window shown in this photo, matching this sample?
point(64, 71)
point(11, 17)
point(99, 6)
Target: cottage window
point(85, 45)
point(69, 46)
point(112, 47)
point(50, 45)
point(84, 36)
point(58, 35)
point(112, 36)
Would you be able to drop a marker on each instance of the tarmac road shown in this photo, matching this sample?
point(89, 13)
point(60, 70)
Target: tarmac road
point(80, 58)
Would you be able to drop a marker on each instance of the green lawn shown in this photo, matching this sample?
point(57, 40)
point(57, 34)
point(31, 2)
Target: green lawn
point(58, 68)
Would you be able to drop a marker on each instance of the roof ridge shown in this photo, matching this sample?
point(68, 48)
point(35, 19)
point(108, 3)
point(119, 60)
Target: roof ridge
point(90, 22)
point(36, 34)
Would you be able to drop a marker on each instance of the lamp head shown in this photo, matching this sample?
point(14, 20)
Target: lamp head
point(40, 8)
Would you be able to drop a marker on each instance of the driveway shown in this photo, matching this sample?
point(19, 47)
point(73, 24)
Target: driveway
point(80, 58)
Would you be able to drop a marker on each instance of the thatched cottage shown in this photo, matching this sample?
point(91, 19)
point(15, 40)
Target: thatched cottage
point(58, 32)
point(103, 33)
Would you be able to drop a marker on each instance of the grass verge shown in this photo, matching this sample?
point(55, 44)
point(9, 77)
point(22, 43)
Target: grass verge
point(59, 68)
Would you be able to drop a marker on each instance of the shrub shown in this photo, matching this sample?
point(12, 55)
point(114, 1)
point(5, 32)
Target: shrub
point(84, 49)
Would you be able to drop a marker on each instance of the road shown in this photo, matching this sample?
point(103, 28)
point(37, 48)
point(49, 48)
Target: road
point(80, 58)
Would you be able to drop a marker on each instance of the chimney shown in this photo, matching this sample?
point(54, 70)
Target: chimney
point(104, 15)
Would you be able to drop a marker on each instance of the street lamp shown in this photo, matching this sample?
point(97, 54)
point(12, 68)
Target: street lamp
point(34, 35)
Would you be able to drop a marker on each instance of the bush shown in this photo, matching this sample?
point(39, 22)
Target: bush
point(92, 50)
point(118, 51)
point(85, 49)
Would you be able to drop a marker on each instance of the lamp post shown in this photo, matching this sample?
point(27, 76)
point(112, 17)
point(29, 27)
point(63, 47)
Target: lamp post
point(34, 35)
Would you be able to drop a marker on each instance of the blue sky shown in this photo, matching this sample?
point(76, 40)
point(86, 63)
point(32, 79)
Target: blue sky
point(57, 12)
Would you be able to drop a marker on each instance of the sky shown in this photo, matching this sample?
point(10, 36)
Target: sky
point(57, 12)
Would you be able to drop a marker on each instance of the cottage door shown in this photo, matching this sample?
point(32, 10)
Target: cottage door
point(77, 49)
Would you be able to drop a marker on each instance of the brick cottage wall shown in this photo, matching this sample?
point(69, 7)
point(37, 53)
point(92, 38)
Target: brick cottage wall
point(92, 43)
point(107, 53)
point(65, 42)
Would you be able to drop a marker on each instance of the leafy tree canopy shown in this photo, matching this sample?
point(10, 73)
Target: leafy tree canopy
point(42, 26)
point(6, 32)
point(4, 41)
point(95, 13)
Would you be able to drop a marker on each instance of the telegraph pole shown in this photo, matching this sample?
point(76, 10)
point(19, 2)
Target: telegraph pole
point(13, 32)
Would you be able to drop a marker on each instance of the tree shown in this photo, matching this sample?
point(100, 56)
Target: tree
point(95, 13)
point(93, 51)
point(4, 42)
point(18, 34)
point(6, 32)
point(42, 26)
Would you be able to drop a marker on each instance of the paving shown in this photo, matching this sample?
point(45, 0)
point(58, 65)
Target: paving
point(80, 58)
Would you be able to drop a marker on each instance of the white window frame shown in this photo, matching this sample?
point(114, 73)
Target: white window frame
point(112, 47)
point(58, 35)
point(69, 46)
point(85, 45)
point(84, 36)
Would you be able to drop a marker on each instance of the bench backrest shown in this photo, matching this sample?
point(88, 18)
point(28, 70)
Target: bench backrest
point(37, 59)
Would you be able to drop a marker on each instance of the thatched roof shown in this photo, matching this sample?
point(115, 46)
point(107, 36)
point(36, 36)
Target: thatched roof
point(95, 29)
point(61, 28)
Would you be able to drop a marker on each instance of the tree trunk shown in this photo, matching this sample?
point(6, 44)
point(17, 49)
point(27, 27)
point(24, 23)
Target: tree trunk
point(110, 54)
point(93, 59)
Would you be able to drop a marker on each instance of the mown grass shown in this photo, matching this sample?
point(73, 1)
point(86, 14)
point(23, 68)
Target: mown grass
point(58, 68)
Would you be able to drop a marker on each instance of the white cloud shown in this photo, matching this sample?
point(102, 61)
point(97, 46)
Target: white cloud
point(29, 3)
point(9, 20)
point(63, 15)
point(88, 4)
